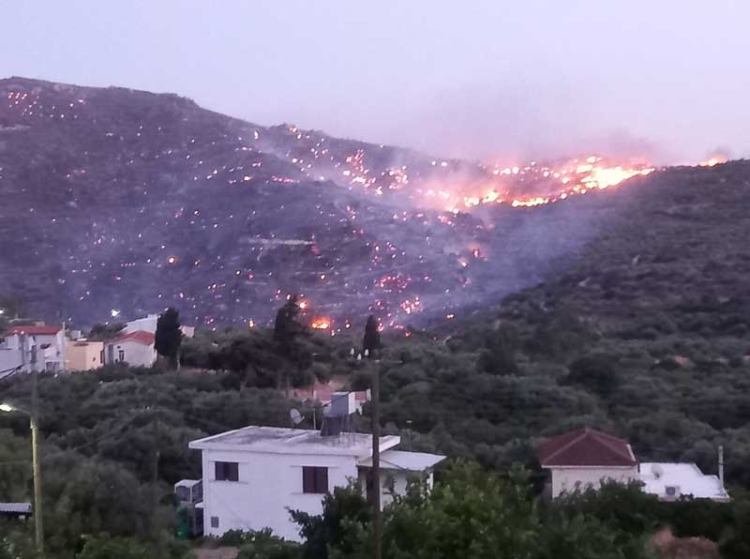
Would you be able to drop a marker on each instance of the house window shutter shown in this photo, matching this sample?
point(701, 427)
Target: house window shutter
point(227, 471)
point(308, 480)
point(314, 479)
point(321, 480)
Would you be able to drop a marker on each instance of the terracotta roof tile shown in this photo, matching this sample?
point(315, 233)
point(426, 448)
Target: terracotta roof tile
point(139, 336)
point(33, 330)
point(585, 447)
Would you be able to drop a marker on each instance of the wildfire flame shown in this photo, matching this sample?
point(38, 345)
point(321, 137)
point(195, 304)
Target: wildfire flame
point(320, 323)
point(716, 159)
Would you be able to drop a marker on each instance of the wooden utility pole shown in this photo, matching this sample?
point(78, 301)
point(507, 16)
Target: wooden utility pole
point(377, 516)
point(38, 526)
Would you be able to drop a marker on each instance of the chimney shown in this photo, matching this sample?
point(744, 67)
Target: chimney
point(721, 466)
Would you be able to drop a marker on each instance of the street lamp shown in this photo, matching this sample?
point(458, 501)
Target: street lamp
point(38, 527)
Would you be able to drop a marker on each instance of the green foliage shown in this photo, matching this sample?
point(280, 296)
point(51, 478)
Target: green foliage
point(168, 336)
point(104, 332)
point(597, 373)
point(261, 544)
point(474, 514)
point(346, 514)
point(106, 547)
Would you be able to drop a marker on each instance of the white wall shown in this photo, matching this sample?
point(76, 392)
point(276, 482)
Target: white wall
point(136, 353)
point(146, 324)
point(268, 484)
point(569, 479)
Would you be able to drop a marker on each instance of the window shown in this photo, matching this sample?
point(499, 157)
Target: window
point(314, 479)
point(227, 471)
point(214, 522)
point(121, 355)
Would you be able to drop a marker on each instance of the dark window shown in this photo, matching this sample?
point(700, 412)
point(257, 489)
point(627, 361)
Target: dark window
point(121, 355)
point(314, 479)
point(227, 471)
point(214, 522)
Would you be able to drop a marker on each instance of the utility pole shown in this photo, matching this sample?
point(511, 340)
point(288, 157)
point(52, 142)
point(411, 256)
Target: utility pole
point(377, 516)
point(721, 466)
point(38, 526)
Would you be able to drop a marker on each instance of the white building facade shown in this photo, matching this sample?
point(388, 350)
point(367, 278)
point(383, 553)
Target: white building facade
point(33, 347)
point(136, 349)
point(254, 476)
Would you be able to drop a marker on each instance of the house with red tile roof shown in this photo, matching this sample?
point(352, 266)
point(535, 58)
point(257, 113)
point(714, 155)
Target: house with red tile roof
point(135, 348)
point(585, 458)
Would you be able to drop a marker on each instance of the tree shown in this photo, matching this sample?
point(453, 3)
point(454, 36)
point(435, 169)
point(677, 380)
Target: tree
point(598, 373)
point(371, 341)
point(286, 328)
point(169, 337)
point(499, 355)
point(104, 332)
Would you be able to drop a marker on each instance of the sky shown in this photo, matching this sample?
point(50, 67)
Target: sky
point(496, 80)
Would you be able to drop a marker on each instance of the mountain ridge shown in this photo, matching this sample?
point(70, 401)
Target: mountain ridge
point(126, 202)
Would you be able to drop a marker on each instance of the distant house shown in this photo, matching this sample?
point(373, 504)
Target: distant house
point(20, 511)
point(148, 324)
point(33, 347)
point(253, 476)
point(585, 458)
point(325, 393)
point(671, 481)
point(135, 348)
point(84, 355)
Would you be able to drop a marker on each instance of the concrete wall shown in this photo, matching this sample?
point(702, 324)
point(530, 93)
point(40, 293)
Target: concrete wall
point(269, 484)
point(83, 356)
point(136, 353)
point(146, 324)
point(569, 479)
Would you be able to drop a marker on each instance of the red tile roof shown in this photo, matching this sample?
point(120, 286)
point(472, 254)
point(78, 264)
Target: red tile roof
point(139, 336)
point(585, 447)
point(33, 330)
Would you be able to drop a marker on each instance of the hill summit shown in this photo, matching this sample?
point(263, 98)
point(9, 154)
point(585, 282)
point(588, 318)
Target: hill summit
point(123, 201)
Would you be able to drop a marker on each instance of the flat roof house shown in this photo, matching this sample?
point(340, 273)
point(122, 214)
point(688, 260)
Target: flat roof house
point(253, 476)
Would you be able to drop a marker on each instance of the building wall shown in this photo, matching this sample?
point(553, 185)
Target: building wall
point(146, 324)
point(136, 354)
point(269, 485)
point(49, 358)
point(83, 356)
point(569, 479)
point(9, 359)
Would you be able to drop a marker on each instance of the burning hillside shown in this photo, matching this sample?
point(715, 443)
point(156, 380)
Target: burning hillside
point(126, 202)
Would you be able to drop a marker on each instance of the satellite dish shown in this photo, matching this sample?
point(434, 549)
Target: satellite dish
point(657, 470)
point(295, 416)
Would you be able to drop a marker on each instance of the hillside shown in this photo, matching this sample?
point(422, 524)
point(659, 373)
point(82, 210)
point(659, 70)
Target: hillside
point(117, 200)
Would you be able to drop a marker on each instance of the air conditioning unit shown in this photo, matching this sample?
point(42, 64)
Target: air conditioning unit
point(672, 490)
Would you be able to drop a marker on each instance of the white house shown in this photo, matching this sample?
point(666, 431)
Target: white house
point(585, 458)
point(136, 349)
point(253, 476)
point(148, 324)
point(34, 347)
point(670, 481)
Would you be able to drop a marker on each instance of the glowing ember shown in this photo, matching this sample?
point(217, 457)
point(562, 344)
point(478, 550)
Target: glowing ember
point(171, 260)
